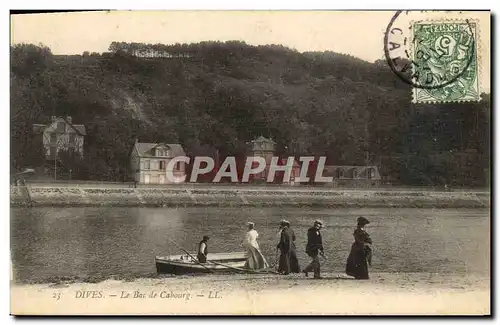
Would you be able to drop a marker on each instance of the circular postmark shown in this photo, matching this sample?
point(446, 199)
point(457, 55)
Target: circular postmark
point(437, 56)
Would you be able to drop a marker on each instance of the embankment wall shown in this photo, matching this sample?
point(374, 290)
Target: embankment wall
point(242, 196)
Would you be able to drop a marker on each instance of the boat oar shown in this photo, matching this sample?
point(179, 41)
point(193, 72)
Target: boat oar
point(240, 269)
point(230, 267)
point(185, 251)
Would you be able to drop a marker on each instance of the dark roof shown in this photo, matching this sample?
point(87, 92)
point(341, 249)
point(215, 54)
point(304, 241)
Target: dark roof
point(143, 147)
point(79, 128)
point(346, 167)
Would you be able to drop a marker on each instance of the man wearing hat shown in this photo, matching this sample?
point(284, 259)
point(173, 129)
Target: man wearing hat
point(203, 250)
point(360, 256)
point(255, 259)
point(314, 248)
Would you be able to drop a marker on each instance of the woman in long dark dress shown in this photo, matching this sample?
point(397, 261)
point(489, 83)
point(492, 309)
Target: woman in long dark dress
point(294, 261)
point(360, 256)
point(288, 262)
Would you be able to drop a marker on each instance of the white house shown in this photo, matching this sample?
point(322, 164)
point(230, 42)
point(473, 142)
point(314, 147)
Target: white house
point(149, 163)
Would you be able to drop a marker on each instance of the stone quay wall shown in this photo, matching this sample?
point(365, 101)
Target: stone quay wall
point(185, 196)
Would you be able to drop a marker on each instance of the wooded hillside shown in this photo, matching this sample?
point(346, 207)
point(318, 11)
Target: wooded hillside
point(221, 95)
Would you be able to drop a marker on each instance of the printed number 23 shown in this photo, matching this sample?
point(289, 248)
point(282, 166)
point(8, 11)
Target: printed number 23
point(56, 295)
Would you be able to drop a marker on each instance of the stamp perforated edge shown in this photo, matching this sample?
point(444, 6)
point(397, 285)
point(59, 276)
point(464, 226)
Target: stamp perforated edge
point(477, 44)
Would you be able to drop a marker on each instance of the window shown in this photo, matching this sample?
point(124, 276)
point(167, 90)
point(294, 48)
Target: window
point(53, 138)
point(162, 152)
point(146, 164)
point(162, 164)
point(71, 138)
point(178, 165)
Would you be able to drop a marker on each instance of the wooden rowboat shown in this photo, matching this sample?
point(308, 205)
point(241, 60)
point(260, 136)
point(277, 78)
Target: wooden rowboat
point(216, 262)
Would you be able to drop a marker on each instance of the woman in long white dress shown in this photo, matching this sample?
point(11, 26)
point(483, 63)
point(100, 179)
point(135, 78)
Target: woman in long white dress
point(255, 259)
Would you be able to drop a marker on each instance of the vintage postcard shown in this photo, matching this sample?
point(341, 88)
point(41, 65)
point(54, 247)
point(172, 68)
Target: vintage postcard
point(250, 163)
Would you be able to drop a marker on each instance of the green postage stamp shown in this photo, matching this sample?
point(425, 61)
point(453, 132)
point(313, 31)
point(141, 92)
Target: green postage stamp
point(445, 62)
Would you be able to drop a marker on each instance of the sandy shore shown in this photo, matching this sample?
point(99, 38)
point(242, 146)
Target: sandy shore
point(336, 294)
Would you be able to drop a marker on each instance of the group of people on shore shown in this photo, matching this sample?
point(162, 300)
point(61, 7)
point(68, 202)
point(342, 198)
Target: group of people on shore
point(357, 264)
point(358, 261)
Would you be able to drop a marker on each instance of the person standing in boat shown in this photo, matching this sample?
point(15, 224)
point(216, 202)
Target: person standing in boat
point(255, 259)
point(203, 250)
point(314, 248)
point(288, 262)
point(360, 256)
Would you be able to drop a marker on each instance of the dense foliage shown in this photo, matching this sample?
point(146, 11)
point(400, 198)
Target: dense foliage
point(214, 95)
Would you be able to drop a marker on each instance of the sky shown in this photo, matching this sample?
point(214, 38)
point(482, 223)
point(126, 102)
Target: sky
point(358, 33)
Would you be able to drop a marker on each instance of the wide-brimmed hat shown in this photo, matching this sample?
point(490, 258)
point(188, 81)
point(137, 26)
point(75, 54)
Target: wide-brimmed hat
point(249, 223)
point(363, 221)
point(206, 238)
point(284, 222)
point(318, 222)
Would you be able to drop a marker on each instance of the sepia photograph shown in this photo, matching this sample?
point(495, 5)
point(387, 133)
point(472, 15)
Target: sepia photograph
point(250, 162)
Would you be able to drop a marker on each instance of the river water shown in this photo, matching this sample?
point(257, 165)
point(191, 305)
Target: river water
point(93, 244)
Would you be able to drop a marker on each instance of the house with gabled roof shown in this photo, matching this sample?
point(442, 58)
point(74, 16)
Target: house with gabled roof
point(149, 163)
point(61, 135)
point(266, 148)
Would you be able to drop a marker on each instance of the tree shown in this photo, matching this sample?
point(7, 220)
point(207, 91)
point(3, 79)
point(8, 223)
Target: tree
point(27, 59)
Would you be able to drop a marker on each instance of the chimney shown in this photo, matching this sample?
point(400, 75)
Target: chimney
point(69, 119)
point(54, 118)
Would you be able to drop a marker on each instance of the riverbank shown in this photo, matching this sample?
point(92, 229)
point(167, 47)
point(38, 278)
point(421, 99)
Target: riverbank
point(336, 294)
point(182, 196)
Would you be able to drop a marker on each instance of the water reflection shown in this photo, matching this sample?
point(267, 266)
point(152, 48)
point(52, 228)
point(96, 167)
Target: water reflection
point(103, 242)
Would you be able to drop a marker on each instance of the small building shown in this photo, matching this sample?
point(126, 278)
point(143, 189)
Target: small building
point(60, 135)
point(266, 148)
point(353, 176)
point(262, 147)
point(150, 53)
point(294, 173)
point(149, 163)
